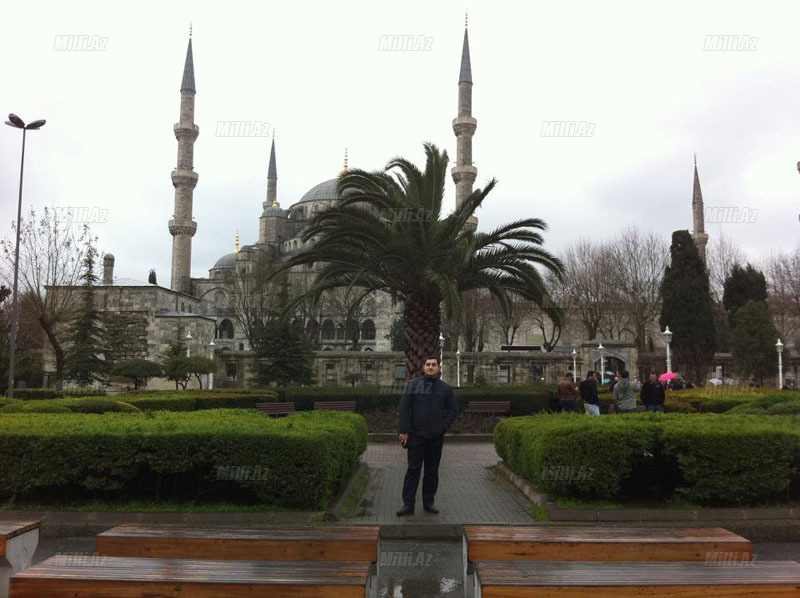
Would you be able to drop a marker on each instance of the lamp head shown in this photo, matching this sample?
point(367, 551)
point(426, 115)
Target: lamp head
point(37, 124)
point(15, 121)
point(779, 346)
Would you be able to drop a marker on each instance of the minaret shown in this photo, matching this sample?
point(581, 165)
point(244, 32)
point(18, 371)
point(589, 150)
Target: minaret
point(698, 221)
point(267, 226)
point(464, 126)
point(272, 177)
point(182, 227)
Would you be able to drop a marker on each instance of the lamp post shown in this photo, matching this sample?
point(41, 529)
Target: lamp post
point(188, 341)
point(458, 367)
point(668, 337)
point(779, 349)
point(211, 346)
point(575, 364)
point(441, 355)
point(601, 348)
point(16, 122)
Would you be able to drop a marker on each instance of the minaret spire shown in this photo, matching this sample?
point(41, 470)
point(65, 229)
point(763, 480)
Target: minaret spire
point(698, 218)
point(464, 173)
point(182, 227)
point(272, 177)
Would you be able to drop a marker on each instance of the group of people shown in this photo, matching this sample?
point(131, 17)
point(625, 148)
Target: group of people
point(652, 394)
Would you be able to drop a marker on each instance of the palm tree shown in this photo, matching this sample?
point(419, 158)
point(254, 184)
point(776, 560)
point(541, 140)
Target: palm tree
point(386, 234)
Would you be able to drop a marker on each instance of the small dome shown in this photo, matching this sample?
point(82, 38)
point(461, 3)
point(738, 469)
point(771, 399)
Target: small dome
point(323, 192)
point(226, 261)
point(276, 211)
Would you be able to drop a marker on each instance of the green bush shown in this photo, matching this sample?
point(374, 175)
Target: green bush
point(24, 407)
point(98, 406)
point(788, 408)
point(303, 459)
point(196, 400)
point(36, 393)
point(710, 459)
point(6, 401)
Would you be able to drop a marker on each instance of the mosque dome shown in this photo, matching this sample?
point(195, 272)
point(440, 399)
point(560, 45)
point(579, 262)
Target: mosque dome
point(226, 262)
point(325, 191)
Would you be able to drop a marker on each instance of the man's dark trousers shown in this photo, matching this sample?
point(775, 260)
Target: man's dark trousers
point(427, 451)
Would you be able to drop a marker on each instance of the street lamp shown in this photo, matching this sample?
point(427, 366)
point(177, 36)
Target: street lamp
point(211, 346)
point(16, 122)
point(458, 367)
point(779, 349)
point(601, 348)
point(188, 341)
point(668, 337)
point(441, 355)
point(575, 364)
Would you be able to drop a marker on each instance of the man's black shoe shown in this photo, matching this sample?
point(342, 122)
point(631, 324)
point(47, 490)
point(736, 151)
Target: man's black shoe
point(431, 509)
point(406, 510)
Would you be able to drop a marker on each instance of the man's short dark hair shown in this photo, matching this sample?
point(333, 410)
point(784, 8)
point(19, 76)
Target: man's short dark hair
point(589, 374)
point(568, 375)
point(436, 357)
point(625, 374)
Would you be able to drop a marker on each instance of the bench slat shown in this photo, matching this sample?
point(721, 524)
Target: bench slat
point(292, 543)
point(488, 406)
point(687, 580)
point(574, 543)
point(130, 577)
point(276, 408)
point(335, 405)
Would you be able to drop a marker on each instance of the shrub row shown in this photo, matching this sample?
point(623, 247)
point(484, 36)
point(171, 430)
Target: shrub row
point(730, 460)
point(49, 393)
point(302, 459)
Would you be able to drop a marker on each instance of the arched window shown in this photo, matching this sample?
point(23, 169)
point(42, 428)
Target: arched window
point(340, 332)
point(352, 331)
point(328, 330)
point(312, 328)
point(226, 329)
point(297, 326)
point(368, 330)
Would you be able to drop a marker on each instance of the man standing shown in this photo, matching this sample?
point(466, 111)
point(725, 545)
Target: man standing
point(625, 394)
point(652, 394)
point(566, 393)
point(427, 410)
point(588, 388)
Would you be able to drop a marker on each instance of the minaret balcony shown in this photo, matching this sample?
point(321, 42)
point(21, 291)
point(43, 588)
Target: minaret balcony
point(182, 226)
point(186, 131)
point(181, 177)
point(464, 173)
point(465, 125)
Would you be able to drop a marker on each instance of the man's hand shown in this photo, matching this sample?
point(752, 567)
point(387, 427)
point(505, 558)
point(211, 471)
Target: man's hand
point(403, 439)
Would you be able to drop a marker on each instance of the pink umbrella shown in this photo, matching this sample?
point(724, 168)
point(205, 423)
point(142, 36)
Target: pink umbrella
point(667, 376)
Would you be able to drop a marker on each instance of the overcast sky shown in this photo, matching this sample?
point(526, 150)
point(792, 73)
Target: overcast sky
point(637, 71)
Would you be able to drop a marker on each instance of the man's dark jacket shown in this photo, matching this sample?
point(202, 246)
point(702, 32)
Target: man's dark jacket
point(588, 390)
point(652, 393)
point(427, 407)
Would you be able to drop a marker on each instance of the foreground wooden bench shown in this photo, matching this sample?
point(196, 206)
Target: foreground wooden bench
point(494, 407)
point(576, 543)
point(155, 578)
point(18, 541)
point(334, 405)
point(331, 543)
point(276, 408)
point(511, 579)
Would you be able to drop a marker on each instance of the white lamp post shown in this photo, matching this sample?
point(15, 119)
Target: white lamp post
point(458, 367)
point(188, 341)
point(211, 346)
point(779, 349)
point(441, 355)
point(668, 337)
point(601, 348)
point(575, 364)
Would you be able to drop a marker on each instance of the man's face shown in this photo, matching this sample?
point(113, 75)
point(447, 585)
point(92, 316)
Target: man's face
point(431, 368)
point(652, 377)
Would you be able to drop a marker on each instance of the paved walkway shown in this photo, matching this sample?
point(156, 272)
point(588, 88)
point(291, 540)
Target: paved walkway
point(469, 490)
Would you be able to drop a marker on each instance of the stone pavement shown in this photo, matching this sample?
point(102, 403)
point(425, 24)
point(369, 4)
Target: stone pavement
point(469, 490)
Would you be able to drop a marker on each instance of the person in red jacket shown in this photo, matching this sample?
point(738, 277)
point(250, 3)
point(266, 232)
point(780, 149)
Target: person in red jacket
point(566, 394)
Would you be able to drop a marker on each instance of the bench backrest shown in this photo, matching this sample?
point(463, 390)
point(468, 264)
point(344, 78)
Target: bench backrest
point(276, 408)
point(489, 406)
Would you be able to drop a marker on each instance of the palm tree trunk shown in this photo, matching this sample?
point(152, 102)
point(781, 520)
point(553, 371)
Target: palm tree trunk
point(422, 323)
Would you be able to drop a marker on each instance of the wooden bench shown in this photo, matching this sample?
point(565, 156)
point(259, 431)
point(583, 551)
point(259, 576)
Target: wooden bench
point(584, 543)
point(334, 405)
point(104, 577)
point(494, 407)
point(511, 579)
point(18, 541)
point(330, 543)
point(276, 409)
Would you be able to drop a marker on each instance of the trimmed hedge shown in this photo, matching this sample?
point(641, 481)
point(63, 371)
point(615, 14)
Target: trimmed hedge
point(730, 460)
point(43, 407)
point(98, 406)
point(50, 393)
point(302, 459)
point(196, 400)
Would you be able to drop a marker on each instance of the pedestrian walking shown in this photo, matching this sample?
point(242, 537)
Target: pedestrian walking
point(588, 390)
point(566, 393)
point(652, 394)
point(625, 394)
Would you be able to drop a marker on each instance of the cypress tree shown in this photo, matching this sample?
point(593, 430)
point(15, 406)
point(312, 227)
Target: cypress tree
point(742, 285)
point(84, 363)
point(686, 308)
point(754, 336)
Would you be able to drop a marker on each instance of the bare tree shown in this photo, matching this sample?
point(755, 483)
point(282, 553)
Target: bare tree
point(50, 255)
point(637, 267)
point(253, 295)
point(723, 255)
point(351, 307)
point(588, 287)
point(783, 284)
